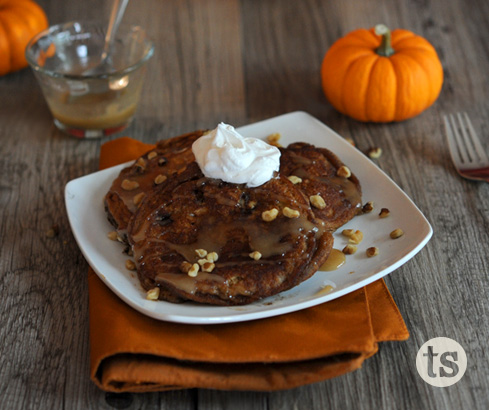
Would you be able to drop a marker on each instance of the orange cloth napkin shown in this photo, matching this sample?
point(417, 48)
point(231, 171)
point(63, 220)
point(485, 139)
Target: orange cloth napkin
point(133, 352)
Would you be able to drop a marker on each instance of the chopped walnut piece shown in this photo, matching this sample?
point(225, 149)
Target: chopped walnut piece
point(368, 207)
point(349, 249)
point(128, 185)
point(50, 233)
point(160, 179)
point(356, 237)
point(396, 233)
point(372, 251)
point(329, 212)
point(384, 213)
point(208, 266)
point(53, 231)
point(273, 139)
point(194, 270)
point(130, 265)
point(141, 163)
point(255, 255)
point(212, 257)
point(201, 252)
point(202, 261)
point(291, 213)
point(343, 172)
point(294, 179)
point(317, 201)
point(185, 266)
point(153, 294)
point(152, 154)
point(374, 152)
point(251, 204)
point(269, 215)
point(138, 198)
point(200, 211)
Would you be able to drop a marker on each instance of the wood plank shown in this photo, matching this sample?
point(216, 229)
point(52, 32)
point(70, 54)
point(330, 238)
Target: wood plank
point(196, 70)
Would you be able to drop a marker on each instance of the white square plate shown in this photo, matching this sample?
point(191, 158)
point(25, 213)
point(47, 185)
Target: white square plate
point(84, 204)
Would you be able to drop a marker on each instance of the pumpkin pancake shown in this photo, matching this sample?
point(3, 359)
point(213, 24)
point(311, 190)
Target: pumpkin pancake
point(335, 197)
point(153, 168)
point(205, 240)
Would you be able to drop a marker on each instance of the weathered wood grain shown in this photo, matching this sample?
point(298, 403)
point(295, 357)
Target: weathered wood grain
point(239, 62)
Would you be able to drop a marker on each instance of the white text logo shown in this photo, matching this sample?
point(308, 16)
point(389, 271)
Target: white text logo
point(441, 362)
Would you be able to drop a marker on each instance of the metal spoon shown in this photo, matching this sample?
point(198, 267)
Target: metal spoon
point(105, 63)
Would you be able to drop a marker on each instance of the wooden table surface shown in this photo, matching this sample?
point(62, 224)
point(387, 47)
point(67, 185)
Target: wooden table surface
point(241, 62)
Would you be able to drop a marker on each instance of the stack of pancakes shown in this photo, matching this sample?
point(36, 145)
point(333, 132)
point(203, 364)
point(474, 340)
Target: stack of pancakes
point(209, 241)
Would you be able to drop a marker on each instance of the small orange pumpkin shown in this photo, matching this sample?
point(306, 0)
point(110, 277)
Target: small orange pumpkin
point(20, 20)
point(378, 76)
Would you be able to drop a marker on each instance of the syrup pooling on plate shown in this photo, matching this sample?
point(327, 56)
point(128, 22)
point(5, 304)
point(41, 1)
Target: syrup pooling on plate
point(335, 259)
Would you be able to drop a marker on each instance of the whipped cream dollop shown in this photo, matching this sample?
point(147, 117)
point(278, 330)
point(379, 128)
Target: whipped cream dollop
point(225, 154)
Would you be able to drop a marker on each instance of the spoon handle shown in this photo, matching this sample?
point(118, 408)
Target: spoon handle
point(118, 8)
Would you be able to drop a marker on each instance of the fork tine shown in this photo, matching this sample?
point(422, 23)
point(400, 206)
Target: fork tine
point(450, 137)
point(466, 149)
point(453, 140)
point(480, 154)
point(465, 139)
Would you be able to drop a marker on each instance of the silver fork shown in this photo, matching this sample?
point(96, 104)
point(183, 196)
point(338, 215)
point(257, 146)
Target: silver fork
point(467, 153)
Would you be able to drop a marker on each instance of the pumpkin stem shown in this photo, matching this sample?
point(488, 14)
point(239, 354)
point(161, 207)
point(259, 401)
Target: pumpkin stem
point(385, 49)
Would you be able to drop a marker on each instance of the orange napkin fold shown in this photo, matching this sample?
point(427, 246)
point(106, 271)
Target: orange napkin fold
point(133, 352)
